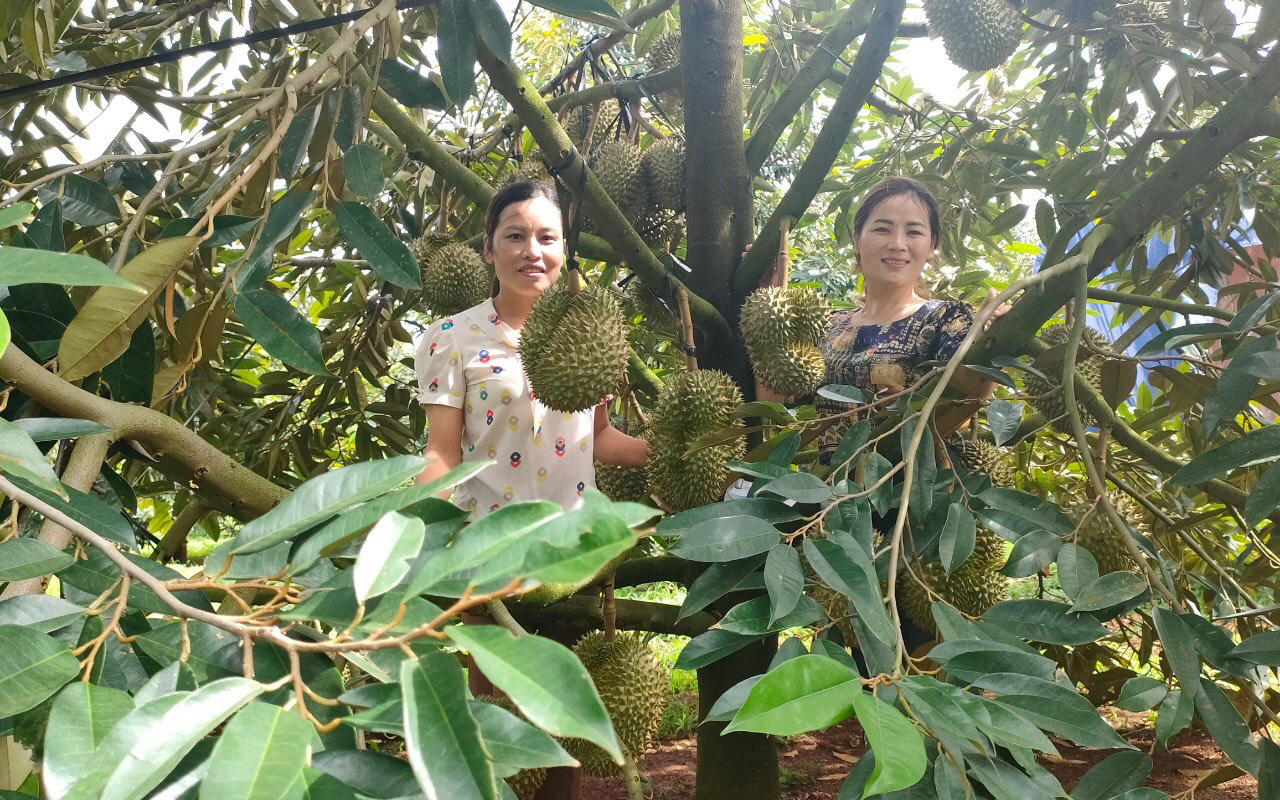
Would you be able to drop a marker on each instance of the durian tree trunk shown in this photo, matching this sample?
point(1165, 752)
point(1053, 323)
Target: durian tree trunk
point(717, 181)
point(740, 766)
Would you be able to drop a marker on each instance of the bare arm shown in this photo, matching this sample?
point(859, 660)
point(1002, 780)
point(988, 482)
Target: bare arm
point(444, 443)
point(612, 446)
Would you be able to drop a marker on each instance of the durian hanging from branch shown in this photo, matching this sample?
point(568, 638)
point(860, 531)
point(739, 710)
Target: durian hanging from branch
point(454, 277)
point(574, 346)
point(978, 35)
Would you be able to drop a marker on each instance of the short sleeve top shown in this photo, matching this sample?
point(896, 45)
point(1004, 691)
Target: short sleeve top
point(470, 361)
point(900, 349)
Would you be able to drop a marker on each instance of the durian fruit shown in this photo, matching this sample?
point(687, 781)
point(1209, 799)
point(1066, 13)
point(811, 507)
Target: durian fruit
point(691, 405)
point(635, 690)
point(574, 347)
point(836, 606)
point(782, 328)
point(1095, 533)
point(1047, 396)
point(662, 165)
point(617, 165)
point(622, 484)
point(1131, 16)
point(1083, 10)
point(984, 457)
point(548, 593)
point(977, 34)
point(527, 781)
point(975, 586)
point(454, 277)
point(664, 52)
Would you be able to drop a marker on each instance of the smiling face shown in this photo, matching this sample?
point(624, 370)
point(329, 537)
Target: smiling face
point(527, 247)
point(895, 243)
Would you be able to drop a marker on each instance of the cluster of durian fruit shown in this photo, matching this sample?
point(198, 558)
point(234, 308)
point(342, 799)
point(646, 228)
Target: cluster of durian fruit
point(634, 688)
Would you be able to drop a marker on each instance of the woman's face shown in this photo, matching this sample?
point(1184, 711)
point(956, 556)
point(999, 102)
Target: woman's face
point(527, 248)
point(895, 242)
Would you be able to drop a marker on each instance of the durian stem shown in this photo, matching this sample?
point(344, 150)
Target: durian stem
point(686, 326)
point(633, 135)
point(442, 217)
point(609, 612)
point(631, 774)
point(782, 271)
point(575, 279)
point(634, 405)
point(503, 617)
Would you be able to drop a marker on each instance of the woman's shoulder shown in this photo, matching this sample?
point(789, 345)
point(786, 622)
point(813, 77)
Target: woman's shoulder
point(949, 312)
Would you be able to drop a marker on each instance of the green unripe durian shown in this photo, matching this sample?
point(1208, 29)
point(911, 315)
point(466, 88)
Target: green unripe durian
point(691, 405)
point(454, 277)
point(663, 167)
point(1046, 395)
point(781, 328)
point(973, 587)
point(574, 347)
point(977, 34)
point(617, 166)
point(983, 457)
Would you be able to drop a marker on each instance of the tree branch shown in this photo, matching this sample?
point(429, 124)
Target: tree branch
point(867, 67)
point(654, 569)
point(181, 455)
point(802, 85)
point(626, 91)
point(1149, 301)
point(634, 20)
point(582, 613)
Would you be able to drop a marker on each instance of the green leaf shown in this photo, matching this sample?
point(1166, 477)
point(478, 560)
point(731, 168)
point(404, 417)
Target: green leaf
point(484, 540)
point(86, 509)
point(285, 212)
point(1116, 774)
point(1109, 590)
point(323, 497)
point(606, 539)
point(545, 681)
point(1004, 417)
point(718, 580)
point(148, 743)
point(1260, 648)
point(1176, 711)
point(783, 580)
point(754, 618)
point(15, 214)
point(728, 704)
point(597, 12)
point(898, 746)
point(959, 535)
point(1031, 553)
point(386, 554)
point(442, 739)
point(710, 647)
point(455, 34)
point(103, 326)
point(802, 487)
point(1044, 621)
point(1254, 447)
point(763, 508)
point(967, 659)
point(849, 571)
point(492, 27)
point(293, 147)
point(1227, 727)
point(1179, 646)
point(949, 712)
point(1046, 223)
point(1179, 337)
point(726, 539)
point(1037, 513)
point(410, 88)
point(1008, 728)
point(51, 429)
point(1264, 497)
point(259, 755)
point(369, 773)
point(807, 693)
point(281, 330)
point(40, 612)
point(1053, 707)
point(1141, 694)
point(227, 228)
point(1269, 774)
point(388, 256)
point(20, 458)
point(21, 265)
point(362, 168)
point(83, 201)
point(1234, 387)
point(205, 646)
point(515, 744)
point(1077, 568)
point(82, 715)
point(24, 558)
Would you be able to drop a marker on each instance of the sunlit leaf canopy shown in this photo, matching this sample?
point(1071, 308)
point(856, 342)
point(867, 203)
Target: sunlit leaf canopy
point(228, 246)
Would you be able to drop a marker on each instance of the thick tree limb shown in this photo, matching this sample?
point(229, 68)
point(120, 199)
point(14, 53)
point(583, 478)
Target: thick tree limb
point(581, 613)
point(181, 455)
point(1164, 304)
point(175, 539)
point(802, 85)
point(599, 206)
point(626, 91)
point(655, 569)
point(835, 131)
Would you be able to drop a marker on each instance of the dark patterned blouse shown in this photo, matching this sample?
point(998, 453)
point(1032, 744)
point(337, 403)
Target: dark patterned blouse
point(894, 353)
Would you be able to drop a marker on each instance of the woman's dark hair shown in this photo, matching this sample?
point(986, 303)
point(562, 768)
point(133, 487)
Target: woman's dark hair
point(893, 187)
point(509, 195)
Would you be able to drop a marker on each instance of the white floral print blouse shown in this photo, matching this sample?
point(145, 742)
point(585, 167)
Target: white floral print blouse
point(469, 361)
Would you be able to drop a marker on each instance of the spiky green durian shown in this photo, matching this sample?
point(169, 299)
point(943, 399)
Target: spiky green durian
point(1082, 10)
point(984, 457)
point(454, 277)
point(1095, 533)
point(644, 301)
point(663, 167)
point(977, 34)
point(836, 606)
point(574, 347)
point(664, 52)
point(781, 328)
point(691, 405)
point(617, 166)
point(527, 781)
point(973, 587)
point(635, 690)
point(1133, 21)
point(1046, 395)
